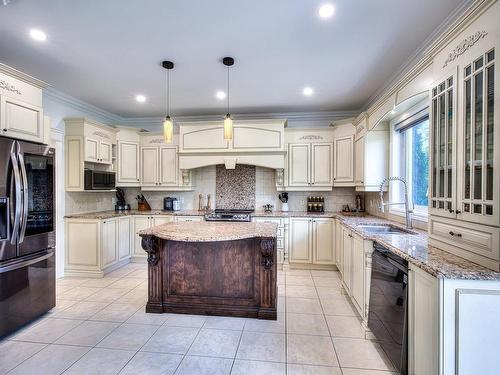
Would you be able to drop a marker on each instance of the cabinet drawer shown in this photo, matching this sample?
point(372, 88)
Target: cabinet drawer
point(478, 239)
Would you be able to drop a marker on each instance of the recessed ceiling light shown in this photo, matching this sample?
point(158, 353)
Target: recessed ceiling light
point(220, 95)
point(308, 91)
point(140, 98)
point(326, 10)
point(38, 35)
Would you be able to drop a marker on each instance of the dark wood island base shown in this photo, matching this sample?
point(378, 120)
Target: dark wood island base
point(230, 278)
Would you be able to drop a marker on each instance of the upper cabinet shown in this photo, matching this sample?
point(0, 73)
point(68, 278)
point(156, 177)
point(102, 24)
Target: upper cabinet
point(310, 165)
point(343, 162)
point(89, 144)
point(21, 113)
point(128, 157)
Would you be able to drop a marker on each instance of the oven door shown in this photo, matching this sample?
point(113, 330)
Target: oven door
point(36, 164)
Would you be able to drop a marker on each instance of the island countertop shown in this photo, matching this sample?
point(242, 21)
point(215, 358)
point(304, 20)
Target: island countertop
point(211, 231)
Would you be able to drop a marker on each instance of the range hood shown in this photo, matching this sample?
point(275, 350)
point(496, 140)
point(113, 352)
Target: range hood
point(255, 142)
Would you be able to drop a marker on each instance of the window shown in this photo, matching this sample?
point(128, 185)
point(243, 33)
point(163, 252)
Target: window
point(410, 160)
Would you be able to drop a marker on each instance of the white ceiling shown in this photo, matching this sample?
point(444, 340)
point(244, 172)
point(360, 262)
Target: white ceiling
point(106, 52)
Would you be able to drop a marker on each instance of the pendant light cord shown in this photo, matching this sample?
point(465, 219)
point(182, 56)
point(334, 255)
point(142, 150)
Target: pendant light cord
point(168, 92)
point(228, 89)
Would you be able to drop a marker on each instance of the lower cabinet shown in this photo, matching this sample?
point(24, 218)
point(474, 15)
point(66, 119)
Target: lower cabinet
point(142, 222)
point(95, 247)
point(311, 241)
point(338, 246)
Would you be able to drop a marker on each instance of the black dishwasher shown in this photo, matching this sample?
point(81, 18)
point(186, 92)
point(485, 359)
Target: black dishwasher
point(388, 315)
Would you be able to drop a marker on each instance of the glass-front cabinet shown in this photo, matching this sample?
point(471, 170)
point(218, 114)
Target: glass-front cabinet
point(443, 135)
point(478, 199)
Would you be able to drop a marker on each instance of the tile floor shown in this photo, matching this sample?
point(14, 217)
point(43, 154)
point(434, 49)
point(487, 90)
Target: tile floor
point(99, 327)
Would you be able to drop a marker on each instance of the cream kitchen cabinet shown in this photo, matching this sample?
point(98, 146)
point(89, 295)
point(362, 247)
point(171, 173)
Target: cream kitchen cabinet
point(371, 159)
point(347, 259)
point(159, 166)
point(98, 151)
point(141, 222)
point(343, 161)
point(96, 247)
point(21, 120)
point(310, 165)
point(338, 246)
point(311, 241)
point(128, 159)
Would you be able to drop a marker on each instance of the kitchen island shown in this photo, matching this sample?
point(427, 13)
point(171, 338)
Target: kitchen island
point(212, 268)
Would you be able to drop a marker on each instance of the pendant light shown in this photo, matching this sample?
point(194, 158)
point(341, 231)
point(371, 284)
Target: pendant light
point(168, 124)
point(228, 121)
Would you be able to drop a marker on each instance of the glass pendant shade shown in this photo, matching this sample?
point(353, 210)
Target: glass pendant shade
point(168, 130)
point(228, 127)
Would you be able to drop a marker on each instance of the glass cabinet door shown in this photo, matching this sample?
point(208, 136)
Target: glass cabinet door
point(442, 141)
point(479, 199)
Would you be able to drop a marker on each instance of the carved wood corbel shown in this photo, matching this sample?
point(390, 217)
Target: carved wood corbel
point(150, 245)
point(267, 252)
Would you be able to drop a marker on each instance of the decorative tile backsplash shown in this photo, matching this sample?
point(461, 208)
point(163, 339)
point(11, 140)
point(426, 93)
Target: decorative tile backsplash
point(235, 188)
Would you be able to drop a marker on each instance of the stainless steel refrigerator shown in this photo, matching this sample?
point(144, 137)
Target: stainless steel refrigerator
point(27, 232)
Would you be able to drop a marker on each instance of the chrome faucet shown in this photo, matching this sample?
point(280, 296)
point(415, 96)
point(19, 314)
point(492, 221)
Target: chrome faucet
point(408, 211)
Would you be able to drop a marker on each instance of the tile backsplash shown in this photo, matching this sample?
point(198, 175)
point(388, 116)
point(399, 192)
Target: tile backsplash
point(235, 188)
point(260, 188)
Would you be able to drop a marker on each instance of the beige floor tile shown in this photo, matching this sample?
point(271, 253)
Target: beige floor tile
point(183, 320)
point(300, 291)
point(152, 364)
point(47, 331)
point(311, 350)
point(142, 317)
point(353, 371)
point(12, 353)
point(126, 283)
point(62, 304)
point(280, 308)
point(107, 295)
point(330, 282)
point(303, 306)
point(222, 322)
point(82, 310)
point(53, 359)
point(325, 292)
point(345, 326)
point(244, 367)
point(116, 312)
point(297, 272)
point(101, 361)
point(216, 343)
point(128, 337)
point(139, 274)
point(262, 346)
point(299, 280)
point(175, 340)
point(72, 281)
point(322, 273)
point(78, 293)
point(293, 369)
point(100, 283)
point(338, 306)
point(270, 326)
point(88, 333)
point(192, 365)
point(306, 324)
point(361, 354)
point(121, 272)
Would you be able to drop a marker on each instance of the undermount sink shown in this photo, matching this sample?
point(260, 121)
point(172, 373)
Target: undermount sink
point(384, 229)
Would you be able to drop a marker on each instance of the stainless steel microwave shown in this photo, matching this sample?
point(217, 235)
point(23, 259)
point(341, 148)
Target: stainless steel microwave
point(99, 180)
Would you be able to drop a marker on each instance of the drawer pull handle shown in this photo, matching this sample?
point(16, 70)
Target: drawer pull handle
point(455, 234)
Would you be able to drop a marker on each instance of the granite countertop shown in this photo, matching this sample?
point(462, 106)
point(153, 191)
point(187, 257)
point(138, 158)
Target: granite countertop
point(328, 214)
point(211, 231)
point(100, 215)
point(416, 250)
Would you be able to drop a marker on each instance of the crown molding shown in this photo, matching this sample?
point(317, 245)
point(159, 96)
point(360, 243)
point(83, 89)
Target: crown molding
point(463, 15)
point(22, 76)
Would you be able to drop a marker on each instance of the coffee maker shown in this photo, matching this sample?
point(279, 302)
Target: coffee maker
point(170, 204)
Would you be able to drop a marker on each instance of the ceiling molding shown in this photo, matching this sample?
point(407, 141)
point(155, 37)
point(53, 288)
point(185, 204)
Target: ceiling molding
point(422, 57)
point(22, 76)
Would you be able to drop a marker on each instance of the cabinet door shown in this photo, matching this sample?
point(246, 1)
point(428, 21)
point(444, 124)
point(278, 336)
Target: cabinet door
point(322, 162)
point(128, 163)
point(359, 161)
point(91, 150)
point(299, 164)
point(423, 318)
point(21, 120)
point(109, 249)
point(159, 220)
point(149, 166)
point(140, 223)
point(338, 245)
point(169, 171)
point(323, 241)
point(358, 272)
point(105, 152)
point(343, 163)
point(300, 240)
point(479, 195)
point(443, 135)
point(124, 238)
point(347, 259)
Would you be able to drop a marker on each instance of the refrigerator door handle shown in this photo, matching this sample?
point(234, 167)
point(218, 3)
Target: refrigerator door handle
point(24, 216)
point(21, 263)
point(17, 186)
